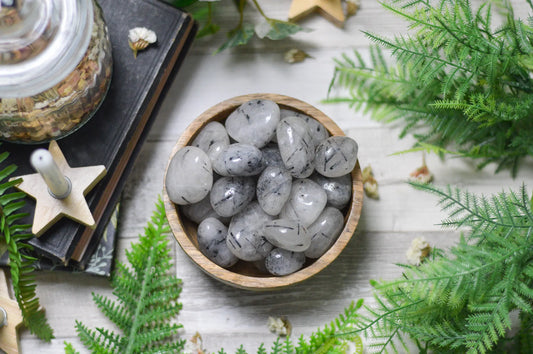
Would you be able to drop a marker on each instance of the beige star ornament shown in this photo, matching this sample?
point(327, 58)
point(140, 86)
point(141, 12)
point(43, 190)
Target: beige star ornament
point(55, 195)
point(10, 319)
point(330, 9)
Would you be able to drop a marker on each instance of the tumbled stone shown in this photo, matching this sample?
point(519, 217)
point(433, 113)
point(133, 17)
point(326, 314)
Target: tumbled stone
point(254, 122)
point(296, 146)
point(230, 195)
point(245, 234)
point(189, 176)
point(239, 160)
point(273, 189)
point(338, 189)
point(202, 210)
point(324, 231)
point(317, 129)
point(283, 262)
point(287, 234)
point(336, 156)
point(212, 134)
point(211, 236)
point(272, 156)
point(305, 203)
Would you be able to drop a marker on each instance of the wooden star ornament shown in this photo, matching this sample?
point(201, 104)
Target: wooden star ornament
point(9, 341)
point(48, 209)
point(330, 9)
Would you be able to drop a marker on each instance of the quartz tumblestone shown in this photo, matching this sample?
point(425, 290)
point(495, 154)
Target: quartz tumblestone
point(239, 160)
point(197, 212)
point(283, 262)
point(254, 122)
point(296, 146)
point(338, 189)
point(245, 234)
point(287, 234)
point(336, 156)
point(212, 134)
point(324, 231)
point(273, 189)
point(189, 176)
point(317, 130)
point(305, 203)
point(211, 237)
point(272, 156)
point(230, 195)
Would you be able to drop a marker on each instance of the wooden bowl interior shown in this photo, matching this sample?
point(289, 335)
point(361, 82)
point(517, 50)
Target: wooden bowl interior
point(244, 274)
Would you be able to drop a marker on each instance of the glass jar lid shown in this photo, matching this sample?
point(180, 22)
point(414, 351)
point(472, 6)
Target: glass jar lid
point(41, 42)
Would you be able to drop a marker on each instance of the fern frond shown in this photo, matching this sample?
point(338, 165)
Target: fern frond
point(147, 298)
point(15, 233)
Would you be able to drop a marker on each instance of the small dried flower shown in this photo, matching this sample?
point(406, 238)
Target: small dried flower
point(370, 184)
point(280, 326)
point(352, 6)
point(194, 345)
point(295, 56)
point(418, 251)
point(422, 174)
point(139, 38)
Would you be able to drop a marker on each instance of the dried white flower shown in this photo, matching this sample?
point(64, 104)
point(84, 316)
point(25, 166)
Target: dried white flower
point(280, 326)
point(418, 250)
point(370, 185)
point(194, 345)
point(140, 37)
point(295, 56)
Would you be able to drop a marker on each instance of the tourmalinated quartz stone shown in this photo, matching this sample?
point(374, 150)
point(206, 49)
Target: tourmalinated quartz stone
point(230, 195)
point(317, 130)
point(283, 262)
point(273, 189)
point(213, 134)
point(189, 176)
point(305, 203)
point(272, 156)
point(324, 232)
point(338, 189)
point(336, 156)
point(245, 234)
point(287, 234)
point(211, 237)
point(254, 122)
point(202, 210)
point(296, 146)
point(239, 160)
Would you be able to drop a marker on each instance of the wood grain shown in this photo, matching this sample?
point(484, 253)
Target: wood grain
point(244, 275)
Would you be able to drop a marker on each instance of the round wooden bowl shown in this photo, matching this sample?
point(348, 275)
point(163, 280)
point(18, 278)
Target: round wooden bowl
point(243, 274)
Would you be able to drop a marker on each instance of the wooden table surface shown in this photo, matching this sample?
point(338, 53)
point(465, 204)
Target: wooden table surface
point(227, 317)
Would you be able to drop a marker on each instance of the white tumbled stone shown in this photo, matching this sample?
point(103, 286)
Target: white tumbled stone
point(336, 156)
point(283, 262)
point(305, 203)
point(245, 234)
point(338, 189)
point(230, 195)
point(189, 176)
point(296, 146)
point(324, 231)
point(211, 236)
point(239, 160)
point(212, 134)
point(254, 122)
point(273, 189)
point(288, 234)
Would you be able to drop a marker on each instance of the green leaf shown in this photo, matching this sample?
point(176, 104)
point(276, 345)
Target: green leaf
point(239, 36)
point(208, 30)
point(276, 29)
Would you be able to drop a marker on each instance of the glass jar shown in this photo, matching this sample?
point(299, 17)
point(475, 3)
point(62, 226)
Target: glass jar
point(55, 67)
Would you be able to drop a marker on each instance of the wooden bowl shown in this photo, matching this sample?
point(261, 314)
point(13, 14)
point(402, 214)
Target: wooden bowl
point(243, 274)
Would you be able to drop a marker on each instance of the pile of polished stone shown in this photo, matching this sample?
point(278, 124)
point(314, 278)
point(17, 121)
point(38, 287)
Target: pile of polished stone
point(279, 184)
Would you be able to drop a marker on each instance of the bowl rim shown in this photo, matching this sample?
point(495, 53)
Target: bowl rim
point(264, 282)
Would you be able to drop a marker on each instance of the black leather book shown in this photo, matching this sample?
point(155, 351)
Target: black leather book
point(113, 136)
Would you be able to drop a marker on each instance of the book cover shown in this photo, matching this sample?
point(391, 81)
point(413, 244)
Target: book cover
point(113, 136)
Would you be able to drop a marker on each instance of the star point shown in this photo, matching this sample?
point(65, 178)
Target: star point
point(330, 9)
point(48, 210)
point(9, 342)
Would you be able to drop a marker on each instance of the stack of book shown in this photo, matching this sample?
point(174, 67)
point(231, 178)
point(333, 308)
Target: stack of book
point(114, 135)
